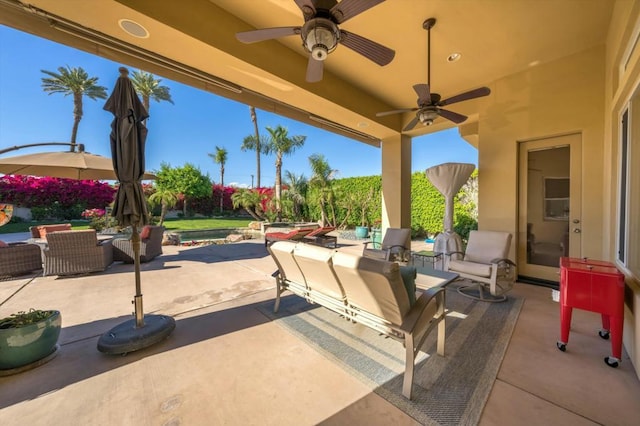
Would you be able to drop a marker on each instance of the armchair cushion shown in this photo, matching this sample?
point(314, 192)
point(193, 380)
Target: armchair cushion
point(472, 268)
point(43, 230)
point(146, 231)
point(3, 244)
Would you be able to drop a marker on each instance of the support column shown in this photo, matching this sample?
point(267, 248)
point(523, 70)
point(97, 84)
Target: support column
point(396, 182)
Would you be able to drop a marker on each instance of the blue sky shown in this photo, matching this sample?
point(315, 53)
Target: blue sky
point(181, 133)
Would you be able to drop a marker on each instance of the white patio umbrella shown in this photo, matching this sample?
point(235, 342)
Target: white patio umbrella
point(448, 178)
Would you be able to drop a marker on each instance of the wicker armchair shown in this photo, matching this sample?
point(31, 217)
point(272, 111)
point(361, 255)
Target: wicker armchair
point(150, 247)
point(76, 252)
point(18, 259)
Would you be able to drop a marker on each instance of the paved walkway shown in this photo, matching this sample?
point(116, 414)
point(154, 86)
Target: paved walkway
point(226, 363)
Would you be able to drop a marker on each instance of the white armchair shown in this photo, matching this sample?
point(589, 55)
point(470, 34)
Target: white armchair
point(396, 246)
point(485, 263)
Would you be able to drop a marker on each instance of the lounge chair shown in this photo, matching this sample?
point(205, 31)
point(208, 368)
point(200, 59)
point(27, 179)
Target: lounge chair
point(76, 252)
point(319, 237)
point(150, 245)
point(294, 235)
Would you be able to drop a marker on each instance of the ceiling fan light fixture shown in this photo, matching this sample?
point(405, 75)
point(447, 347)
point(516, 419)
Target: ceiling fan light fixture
point(426, 117)
point(320, 37)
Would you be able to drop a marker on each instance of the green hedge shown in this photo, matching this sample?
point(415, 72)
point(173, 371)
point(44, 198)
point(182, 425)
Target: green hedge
point(427, 205)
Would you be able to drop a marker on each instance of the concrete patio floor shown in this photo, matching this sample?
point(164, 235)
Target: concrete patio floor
point(226, 363)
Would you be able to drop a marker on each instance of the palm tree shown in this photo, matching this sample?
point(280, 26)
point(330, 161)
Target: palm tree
point(258, 144)
point(296, 192)
point(166, 198)
point(250, 200)
point(75, 82)
point(281, 144)
point(220, 157)
point(147, 86)
point(322, 175)
point(254, 119)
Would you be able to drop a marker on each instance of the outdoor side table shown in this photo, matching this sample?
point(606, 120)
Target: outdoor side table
point(432, 257)
point(594, 286)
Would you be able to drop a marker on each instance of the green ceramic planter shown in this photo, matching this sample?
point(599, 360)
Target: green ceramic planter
point(362, 232)
point(23, 345)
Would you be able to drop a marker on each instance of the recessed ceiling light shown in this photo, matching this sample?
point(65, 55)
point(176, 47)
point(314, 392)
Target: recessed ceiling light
point(133, 28)
point(363, 124)
point(454, 57)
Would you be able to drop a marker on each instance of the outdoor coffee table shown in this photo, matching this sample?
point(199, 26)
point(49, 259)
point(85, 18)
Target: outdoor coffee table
point(434, 258)
point(428, 278)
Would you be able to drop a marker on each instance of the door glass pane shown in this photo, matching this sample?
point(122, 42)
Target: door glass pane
point(548, 199)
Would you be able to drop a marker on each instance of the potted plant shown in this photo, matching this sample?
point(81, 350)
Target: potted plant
point(376, 234)
point(28, 338)
point(363, 201)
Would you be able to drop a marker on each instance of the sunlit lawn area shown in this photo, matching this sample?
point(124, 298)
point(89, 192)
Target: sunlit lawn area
point(170, 224)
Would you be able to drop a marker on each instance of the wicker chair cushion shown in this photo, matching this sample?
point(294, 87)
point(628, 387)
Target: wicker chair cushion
point(3, 244)
point(145, 233)
point(44, 229)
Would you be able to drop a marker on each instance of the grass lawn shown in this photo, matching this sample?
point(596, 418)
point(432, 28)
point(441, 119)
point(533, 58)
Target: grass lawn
point(169, 224)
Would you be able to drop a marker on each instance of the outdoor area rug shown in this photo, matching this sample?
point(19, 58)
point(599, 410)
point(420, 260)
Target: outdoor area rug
point(449, 390)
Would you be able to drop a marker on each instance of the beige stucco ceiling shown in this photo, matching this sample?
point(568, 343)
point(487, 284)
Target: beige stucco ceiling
point(496, 38)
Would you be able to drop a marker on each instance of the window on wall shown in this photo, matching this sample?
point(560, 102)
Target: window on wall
point(629, 189)
point(622, 208)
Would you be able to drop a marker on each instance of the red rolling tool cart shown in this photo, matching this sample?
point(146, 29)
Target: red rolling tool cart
point(595, 286)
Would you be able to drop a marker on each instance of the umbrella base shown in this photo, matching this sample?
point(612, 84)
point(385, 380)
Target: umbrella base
point(126, 337)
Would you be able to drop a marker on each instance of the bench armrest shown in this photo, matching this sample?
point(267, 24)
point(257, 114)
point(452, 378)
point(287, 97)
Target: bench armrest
point(414, 316)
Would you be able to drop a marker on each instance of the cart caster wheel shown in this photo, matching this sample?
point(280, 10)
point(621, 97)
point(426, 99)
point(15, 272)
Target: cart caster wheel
point(604, 334)
point(611, 361)
point(562, 346)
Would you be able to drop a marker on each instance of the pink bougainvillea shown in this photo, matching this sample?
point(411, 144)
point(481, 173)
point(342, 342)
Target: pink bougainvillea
point(29, 191)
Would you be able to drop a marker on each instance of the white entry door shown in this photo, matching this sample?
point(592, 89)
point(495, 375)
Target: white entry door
point(549, 205)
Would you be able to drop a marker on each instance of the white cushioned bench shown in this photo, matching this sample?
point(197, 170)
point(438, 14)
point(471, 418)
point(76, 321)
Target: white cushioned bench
point(365, 290)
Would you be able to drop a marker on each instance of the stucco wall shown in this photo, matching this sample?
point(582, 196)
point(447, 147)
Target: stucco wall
point(620, 88)
point(561, 97)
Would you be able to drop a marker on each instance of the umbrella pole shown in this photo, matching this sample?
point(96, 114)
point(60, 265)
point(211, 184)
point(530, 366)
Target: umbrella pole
point(137, 301)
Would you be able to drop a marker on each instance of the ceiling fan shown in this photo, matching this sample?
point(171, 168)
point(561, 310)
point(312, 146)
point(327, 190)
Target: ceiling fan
point(320, 33)
point(430, 104)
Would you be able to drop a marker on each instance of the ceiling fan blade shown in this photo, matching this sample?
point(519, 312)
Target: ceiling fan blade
point(314, 70)
point(378, 53)
point(266, 34)
point(471, 94)
point(411, 124)
point(424, 94)
point(307, 7)
point(453, 116)
point(395, 111)
point(347, 9)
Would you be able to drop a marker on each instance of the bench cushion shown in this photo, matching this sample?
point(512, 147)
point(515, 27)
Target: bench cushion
point(373, 285)
point(316, 266)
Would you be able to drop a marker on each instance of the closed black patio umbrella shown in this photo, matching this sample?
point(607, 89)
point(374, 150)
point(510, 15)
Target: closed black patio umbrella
point(128, 136)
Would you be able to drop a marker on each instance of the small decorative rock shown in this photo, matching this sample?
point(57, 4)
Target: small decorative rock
point(170, 239)
point(233, 238)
